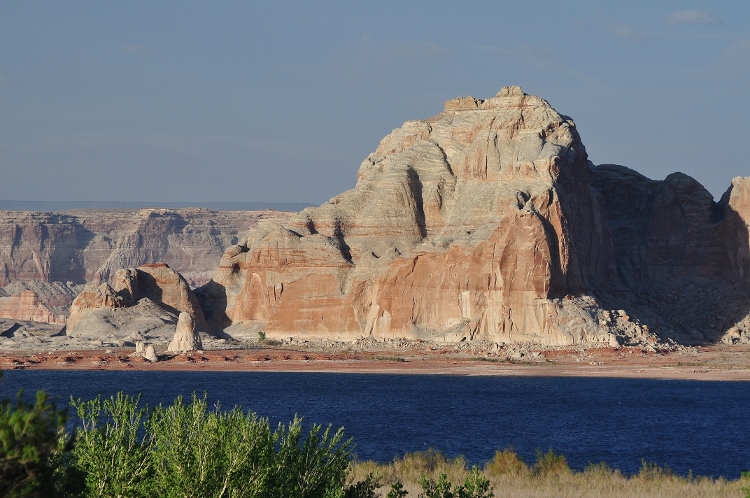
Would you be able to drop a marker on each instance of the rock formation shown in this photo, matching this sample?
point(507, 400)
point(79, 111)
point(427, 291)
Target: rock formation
point(683, 260)
point(473, 223)
point(150, 353)
point(145, 302)
point(56, 253)
point(488, 221)
point(26, 306)
point(185, 337)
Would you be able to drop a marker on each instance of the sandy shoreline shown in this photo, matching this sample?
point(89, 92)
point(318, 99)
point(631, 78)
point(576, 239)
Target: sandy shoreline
point(730, 363)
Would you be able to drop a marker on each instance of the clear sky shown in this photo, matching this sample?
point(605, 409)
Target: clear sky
point(181, 101)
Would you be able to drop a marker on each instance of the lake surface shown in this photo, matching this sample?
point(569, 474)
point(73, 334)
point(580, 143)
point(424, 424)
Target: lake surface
point(687, 425)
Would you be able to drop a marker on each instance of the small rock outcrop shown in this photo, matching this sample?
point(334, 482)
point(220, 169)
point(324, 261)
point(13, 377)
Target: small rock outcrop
point(145, 302)
point(150, 353)
point(185, 337)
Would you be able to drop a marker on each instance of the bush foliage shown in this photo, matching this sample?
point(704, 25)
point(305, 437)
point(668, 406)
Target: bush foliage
point(193, 450)
point(29, 437)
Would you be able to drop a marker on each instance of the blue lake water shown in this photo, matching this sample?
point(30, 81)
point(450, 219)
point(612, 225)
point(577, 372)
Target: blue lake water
point(687, 425)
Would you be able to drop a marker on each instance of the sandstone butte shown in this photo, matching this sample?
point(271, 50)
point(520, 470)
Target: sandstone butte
point(487, 221)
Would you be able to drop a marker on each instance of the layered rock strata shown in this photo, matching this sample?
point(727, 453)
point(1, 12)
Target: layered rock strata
point(26, 306)
point(55, 254)
point(474, 223)
point(90, 245)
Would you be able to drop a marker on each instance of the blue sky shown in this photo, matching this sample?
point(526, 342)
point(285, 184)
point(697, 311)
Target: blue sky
point(263, 101)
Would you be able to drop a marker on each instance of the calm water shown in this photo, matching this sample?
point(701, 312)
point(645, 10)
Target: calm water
point(687, 425)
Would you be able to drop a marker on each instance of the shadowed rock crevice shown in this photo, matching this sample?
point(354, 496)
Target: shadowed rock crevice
point(415, 188)
point(682, 257)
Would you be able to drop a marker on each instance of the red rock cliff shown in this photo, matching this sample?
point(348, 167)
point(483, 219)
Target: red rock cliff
point(466, 224)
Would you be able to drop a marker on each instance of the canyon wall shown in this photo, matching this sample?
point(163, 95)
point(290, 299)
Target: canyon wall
point(55, 254)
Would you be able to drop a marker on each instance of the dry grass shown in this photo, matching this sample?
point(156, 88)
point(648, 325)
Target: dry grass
point(549, 476)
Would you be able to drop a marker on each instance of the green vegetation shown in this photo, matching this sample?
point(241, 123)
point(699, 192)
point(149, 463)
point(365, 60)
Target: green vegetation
point(262, 339)
point(190, 449)
point(29, 440)
point(391, 358)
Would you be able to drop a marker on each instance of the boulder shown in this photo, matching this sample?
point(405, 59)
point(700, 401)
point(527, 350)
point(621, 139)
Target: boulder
point(150, 353)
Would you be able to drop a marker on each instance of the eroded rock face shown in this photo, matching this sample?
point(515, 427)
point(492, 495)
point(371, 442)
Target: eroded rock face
point(63, 251)
point(683, 259)
point(468, 224)
point(162, 285)
point(27, 306)
point(90, 245)
point(185, 338)
point(145, 303)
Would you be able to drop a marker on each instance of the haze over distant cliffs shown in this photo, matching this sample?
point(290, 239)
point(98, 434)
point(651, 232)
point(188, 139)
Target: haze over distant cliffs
point(486, 221)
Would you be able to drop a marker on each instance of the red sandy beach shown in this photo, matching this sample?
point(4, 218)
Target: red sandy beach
point(703, 363)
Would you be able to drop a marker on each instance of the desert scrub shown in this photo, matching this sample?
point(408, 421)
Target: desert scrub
point(506, 462)
point(549, 475)
point(391, 358)
point(550, 464)
point(193, 450)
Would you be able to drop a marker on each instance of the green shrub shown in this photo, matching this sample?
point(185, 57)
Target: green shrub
point(432, 489)
point(189, 450)
point(201, 452)
point(475, 486)
point(315, 467)
point(29, 441)
point(397, 490)
point(364, 488)
point(115, 460)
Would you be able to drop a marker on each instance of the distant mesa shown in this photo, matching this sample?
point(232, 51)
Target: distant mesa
point(56, 254)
